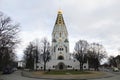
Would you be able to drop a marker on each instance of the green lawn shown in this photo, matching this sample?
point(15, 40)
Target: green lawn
point(66, 72)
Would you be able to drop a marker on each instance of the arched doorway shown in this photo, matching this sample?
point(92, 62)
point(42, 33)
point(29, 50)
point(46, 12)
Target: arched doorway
point(61, 66)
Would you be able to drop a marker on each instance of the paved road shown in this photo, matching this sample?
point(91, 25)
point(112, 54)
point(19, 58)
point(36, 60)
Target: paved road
point(17, 76)
point(115, 77)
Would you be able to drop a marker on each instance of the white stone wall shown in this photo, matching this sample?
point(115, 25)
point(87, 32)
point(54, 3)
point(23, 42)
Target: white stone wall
point(73, 63)
point(59, 37)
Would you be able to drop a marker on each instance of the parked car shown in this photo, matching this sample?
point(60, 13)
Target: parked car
point(7, 70)
point(115, 69)
point(14, 69)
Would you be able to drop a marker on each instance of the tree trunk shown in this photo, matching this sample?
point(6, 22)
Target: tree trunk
point(44, 66)
point(81, 66)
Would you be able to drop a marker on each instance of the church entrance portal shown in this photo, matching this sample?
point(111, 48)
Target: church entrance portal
point(61, 66)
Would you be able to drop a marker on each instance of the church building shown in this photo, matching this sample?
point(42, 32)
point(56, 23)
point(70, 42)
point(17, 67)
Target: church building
point(61, 58)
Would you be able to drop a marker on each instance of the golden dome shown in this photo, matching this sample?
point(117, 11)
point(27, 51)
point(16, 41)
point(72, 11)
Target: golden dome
point(60, 12)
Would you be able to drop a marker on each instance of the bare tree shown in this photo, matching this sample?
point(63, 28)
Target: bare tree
point(8, 40)
point(91, 59)
point(81, 48)
point(97, 53)
point(112, 61)
point(36, 52)
point(29, 56)
point(45, 50)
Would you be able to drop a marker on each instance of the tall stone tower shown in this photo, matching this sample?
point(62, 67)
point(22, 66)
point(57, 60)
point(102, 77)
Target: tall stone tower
point(60, 42)
point(60, 56)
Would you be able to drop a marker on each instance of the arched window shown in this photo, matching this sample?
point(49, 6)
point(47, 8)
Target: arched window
point(60, 49)
point(60, 58)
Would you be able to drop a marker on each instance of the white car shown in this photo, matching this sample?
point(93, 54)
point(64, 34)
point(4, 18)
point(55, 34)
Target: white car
point(115, 69)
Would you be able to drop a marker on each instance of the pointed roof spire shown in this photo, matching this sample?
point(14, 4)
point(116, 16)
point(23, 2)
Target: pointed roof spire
point(60, 24)
point(59, 11)
point(59, 19)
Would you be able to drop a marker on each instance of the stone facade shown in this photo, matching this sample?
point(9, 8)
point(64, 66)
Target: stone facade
point(60, 55)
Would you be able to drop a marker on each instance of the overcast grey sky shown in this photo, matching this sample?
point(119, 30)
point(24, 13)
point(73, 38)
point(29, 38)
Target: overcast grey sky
point(91, 20)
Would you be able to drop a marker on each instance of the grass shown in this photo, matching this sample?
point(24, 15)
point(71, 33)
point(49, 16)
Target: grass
point(66, 72)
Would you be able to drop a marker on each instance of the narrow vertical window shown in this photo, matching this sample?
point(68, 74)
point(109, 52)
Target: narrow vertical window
point(60, 34)
point(54, 49)
point(54, 34)
point(66, 49)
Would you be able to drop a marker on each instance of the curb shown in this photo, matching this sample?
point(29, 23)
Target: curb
point(47, 78)
point(100, 77)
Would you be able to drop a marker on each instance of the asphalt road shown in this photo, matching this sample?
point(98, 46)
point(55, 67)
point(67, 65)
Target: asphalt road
point(115, 77)
point(17, 76)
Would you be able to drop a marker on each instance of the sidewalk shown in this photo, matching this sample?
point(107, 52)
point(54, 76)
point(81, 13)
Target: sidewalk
point(94, 75)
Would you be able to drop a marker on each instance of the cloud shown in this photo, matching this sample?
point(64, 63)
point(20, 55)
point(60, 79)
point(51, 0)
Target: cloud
point(92, 20)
